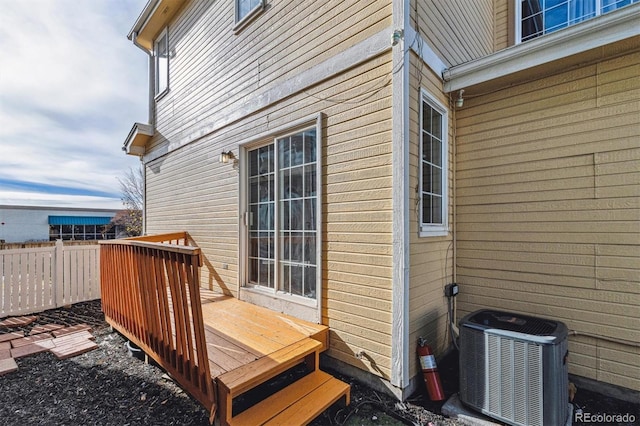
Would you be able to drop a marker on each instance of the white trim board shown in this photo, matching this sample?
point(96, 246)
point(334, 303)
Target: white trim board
point(426, 53)
point(400, 224)
point(256, 101)
point(579, 38)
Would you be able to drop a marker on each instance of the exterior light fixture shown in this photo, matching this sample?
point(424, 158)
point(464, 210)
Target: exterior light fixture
point(225, 156)
point(460, 100)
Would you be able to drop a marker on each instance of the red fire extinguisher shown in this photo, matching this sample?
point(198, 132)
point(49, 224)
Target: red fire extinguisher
point(430, 371)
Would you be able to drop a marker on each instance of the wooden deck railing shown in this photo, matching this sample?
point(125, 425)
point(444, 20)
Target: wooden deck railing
point(150, 293)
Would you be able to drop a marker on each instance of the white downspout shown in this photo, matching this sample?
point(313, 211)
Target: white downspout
point(151, 120)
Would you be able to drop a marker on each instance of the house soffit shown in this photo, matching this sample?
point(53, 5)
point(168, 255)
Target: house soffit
point(153, 18)
point(596, 39)
point(137, 139)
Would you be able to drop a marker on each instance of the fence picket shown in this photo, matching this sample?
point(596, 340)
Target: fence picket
point(38, 278)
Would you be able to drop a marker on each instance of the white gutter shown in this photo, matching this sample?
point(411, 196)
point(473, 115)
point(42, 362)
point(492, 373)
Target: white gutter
point(142, 20)
point(591, 34)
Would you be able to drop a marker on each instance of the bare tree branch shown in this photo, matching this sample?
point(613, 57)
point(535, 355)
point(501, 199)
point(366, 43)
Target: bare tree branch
point(132, 190)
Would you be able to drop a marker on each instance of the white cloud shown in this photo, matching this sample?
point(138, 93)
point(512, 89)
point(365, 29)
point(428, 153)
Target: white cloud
point(16, 198)
point(71, 86)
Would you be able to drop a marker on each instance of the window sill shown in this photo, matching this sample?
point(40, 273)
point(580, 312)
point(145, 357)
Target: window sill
point(161, 95)
point(433, 232)
point(249, 17)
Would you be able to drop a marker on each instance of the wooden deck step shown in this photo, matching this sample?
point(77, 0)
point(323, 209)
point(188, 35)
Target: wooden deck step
point(257, 372)
point(253, 374)
point(298, 403)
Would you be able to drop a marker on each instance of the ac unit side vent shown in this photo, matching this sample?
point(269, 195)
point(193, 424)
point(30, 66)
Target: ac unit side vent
point(514, 385)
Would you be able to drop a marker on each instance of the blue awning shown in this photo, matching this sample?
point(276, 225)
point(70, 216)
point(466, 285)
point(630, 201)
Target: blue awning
point(79, 220)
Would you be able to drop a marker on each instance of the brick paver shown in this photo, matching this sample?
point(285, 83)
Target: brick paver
point(33, 348)
point(7, 365)
point(72, 329)
point(63, 342)
point(68, 351)
point(44, 328)
point(10, 336)
point(17, 321)
point(74, 337)
point(29, 340)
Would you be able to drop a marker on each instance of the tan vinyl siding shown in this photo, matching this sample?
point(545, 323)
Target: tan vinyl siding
point(189, 190)
point(549, 209)
point(212, 69)
point(431, 264)
point(503, 25)
point(457, 30)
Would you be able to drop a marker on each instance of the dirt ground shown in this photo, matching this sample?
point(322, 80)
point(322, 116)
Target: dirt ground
point(109, 387)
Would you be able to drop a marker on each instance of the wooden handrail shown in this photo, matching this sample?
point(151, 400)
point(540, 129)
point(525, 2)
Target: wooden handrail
point(172, 238)
point(150, 293)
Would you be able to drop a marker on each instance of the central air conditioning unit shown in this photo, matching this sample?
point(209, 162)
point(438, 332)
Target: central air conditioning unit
point(514, 368)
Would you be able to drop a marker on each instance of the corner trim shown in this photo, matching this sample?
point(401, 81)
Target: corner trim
point(400, 222)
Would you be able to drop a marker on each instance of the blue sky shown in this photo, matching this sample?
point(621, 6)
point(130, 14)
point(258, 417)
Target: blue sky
point(71, 87)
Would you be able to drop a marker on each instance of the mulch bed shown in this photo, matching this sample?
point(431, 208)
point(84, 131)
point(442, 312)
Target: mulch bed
point(107, 386)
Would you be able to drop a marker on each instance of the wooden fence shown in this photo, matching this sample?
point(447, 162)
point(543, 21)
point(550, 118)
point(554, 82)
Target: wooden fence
point(150, 293)
point(35, 279)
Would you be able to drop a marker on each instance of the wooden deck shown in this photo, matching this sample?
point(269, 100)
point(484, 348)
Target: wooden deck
point(238, 332)
point(151, 294)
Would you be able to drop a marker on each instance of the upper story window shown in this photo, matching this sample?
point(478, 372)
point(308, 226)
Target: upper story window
point(161, 62)
point(539, 17)
point(433, 167)
point(246, 9)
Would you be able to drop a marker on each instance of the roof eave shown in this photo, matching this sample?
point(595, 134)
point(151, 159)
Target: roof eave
point(137, 139)
point(595, 33)
point(153, 18)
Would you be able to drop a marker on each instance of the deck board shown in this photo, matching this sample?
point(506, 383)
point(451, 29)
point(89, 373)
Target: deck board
point(238, 333)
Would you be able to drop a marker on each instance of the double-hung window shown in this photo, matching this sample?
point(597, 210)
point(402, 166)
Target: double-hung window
point(283, 209)
point(433, 201)
point(539, 17)
point(161, 62)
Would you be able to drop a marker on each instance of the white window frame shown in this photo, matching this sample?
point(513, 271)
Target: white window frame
point(160, 87)
point(429, 229)
point(518, 19)
point(307, 308)
point(241, 21)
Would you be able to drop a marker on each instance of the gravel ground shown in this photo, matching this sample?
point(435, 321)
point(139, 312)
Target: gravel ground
point(109, 387)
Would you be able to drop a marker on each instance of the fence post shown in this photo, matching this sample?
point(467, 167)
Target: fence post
point(58, 284)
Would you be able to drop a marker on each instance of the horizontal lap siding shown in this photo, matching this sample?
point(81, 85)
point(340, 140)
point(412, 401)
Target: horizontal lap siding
point(457, 30)
point(189, 190)
point(213, 70)
point(503, 13)
point(431, 259)
point(549, 209)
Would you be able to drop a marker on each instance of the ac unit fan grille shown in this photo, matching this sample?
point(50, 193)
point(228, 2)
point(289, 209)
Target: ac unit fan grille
point(520, 323)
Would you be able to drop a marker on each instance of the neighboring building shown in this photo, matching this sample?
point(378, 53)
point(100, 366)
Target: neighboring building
point(344, 161)
point(19, 224)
